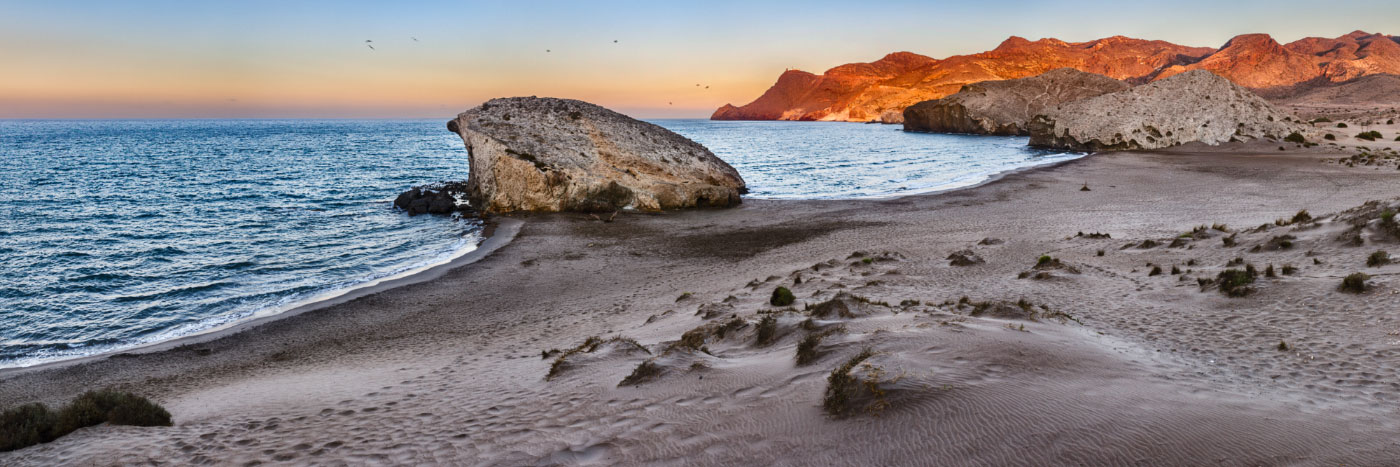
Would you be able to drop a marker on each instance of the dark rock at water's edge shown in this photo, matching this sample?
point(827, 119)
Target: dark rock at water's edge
point(549, 155)
point(436, 198)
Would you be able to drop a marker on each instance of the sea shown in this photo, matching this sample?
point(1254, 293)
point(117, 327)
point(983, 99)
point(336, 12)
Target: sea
point(120, 233)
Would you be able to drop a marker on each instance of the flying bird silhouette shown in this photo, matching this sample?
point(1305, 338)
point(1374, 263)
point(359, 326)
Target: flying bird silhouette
point(415, 39)
point(614, 41)
point(367, 44)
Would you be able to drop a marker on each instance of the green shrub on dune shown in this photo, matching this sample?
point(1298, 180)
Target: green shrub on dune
point(782, 297)
point(32, 424)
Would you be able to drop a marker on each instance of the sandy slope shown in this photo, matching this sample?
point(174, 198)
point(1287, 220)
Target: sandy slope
point(1159, 372)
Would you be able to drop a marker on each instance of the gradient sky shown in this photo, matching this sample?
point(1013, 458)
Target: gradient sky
point(287, 58)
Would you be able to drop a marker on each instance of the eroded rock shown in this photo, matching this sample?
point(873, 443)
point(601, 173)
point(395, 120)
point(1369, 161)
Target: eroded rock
point(1189, 107)
point(547, 154)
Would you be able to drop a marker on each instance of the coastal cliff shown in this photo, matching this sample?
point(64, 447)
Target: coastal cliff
point(866, 91)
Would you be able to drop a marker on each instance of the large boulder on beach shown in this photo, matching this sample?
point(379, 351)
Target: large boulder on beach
point(1189, 107)
point(546, 154)
point(1005, 107)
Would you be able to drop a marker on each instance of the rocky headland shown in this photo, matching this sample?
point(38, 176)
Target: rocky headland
point(1005, 107)
point(547, 154)
point(1195, 106)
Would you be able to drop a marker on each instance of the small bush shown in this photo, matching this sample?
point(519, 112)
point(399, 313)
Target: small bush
point(1235, 283)
point(1302, 217)
point(1370, 135)
point(644, 372)
point(1289, 270)
point(1354, 283)
point(807, 348)
point(1377, 259)
point(840, 384)
point(1269, 272)
point(1329, 137)
point(1322, 120)
point(1043, 260)
point(26, 425)
point(1342, 125)
point(782, 297)
point(1295, 137)
point(767, 330)
point(1156, 271)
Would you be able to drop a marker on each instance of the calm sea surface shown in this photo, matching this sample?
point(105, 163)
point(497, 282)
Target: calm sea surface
point(119, 233)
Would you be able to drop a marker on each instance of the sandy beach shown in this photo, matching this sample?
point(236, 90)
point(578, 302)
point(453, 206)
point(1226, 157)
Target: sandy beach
point(1113, 365)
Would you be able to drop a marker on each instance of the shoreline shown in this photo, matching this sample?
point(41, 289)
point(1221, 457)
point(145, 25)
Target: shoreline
point(495, 233)
point(428, 272)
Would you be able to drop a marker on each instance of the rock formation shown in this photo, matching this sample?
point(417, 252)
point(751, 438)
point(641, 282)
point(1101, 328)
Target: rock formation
point(438, 198)
point(1005, 107)
point(546, 154)
point(1193, 106)
point(866, 91)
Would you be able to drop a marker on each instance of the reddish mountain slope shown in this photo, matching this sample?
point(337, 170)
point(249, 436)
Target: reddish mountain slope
point(862, 91)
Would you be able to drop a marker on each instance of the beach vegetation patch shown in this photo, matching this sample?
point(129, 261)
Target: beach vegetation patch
point(1377, 259)
point(1235, 282)
point(767, 330)
point(31, 424)
point(1329, 137)
point(646, 371)
point(1354, 283)
point(1295, 137)
point(808, 350)
point(842, 387)
point(1370, 135)
point(782, 297)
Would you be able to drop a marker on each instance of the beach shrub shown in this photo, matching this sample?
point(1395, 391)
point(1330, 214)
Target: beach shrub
point(1329, 137)
point(841, 386)
point(1295, 137)
point(1379, 258)
point(1235, 283)
point(1322, 120)
point(807, 348)
point(1342, 125)
point(644, 372)
point(767, 330)
point(1289, 269)
point(1044, 260)
point(1370, 135)
point(32, 424)
point(1282, 346)
point(782, 297)
point(26, 425)
point(1302, 217)
point(1156, 271)
point(1354, 283)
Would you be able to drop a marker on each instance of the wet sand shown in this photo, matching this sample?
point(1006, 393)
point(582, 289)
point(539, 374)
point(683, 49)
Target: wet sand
point(1151, 369)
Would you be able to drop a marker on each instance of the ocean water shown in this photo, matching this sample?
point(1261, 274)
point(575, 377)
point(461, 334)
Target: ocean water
point(825, 160)
point(115, 234)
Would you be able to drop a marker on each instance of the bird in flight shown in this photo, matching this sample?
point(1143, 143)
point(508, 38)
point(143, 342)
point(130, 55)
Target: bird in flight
point(614, 41)
point(367, 44)
point(415, 39)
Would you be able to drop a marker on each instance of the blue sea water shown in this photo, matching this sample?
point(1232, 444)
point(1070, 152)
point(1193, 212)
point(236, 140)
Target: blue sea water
point(118, 233)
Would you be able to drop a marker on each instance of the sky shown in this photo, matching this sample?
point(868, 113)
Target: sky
point(309, 59)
